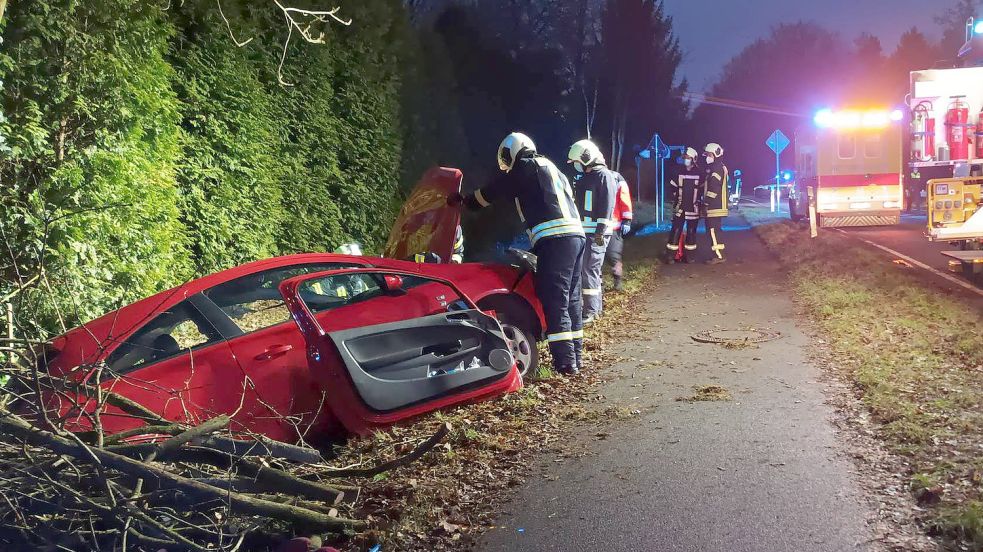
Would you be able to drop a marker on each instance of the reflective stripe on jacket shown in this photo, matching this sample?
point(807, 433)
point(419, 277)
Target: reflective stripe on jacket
point(715, 190)
point(542, 195)
point(596, 193)
point(622, 203)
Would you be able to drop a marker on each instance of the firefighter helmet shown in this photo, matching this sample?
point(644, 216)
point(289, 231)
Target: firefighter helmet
point(512, 147)
point(714, 149)
point(691, 153)
point(349, 249)
point(585, 154)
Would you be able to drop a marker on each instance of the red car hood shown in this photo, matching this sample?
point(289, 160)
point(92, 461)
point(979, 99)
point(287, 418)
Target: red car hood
point(426, 223)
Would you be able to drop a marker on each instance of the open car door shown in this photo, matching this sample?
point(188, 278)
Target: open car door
point(426, 223)
point(389, 345)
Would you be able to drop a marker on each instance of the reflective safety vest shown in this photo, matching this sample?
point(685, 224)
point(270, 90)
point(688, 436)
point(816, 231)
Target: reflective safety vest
point(542, 195)
point(622, 203)
point(596, 193)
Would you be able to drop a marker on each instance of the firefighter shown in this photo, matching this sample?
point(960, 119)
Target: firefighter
point(596, 194)
point(685, 191)
point(622, 220)
point(457, 256)
point(545, 204)
point(714, 195)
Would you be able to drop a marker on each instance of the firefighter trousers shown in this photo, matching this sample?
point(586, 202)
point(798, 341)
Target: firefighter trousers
point(558, 286)
point(593, 283)
point(615, 249)
point(713, 226)
point(676, 232)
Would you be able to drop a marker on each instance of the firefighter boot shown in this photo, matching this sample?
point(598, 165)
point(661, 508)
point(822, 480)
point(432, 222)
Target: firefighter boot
point(716, 244)
point(568, 370)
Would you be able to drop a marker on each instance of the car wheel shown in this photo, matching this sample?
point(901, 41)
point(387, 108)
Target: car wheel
point(522, 345)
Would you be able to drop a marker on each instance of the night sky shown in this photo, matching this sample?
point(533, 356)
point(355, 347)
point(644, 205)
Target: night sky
point(713, 31)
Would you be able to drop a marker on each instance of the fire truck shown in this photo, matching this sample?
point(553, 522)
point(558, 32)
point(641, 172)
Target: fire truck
point(946, 152)
point(849, 162)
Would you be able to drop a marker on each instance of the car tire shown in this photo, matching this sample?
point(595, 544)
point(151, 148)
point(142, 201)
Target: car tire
point(522, 344)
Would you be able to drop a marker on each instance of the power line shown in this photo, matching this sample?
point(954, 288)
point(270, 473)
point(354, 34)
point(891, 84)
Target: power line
point(738, 104)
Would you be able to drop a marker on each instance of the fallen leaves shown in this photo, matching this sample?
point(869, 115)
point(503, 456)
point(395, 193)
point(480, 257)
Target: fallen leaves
point(707, 393)
point(447, 498)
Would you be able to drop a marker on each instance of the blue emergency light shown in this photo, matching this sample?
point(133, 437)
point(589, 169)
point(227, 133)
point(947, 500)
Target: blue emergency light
point(978, 27)
point(787, 175)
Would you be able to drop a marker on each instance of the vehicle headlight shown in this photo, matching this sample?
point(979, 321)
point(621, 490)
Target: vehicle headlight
point(864, 205)
point(892, 204)
point(827, 206)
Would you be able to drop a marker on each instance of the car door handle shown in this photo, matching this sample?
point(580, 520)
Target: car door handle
point(275, 351)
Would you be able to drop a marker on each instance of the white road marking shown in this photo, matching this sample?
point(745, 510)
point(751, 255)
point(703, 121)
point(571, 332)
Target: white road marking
point(919, 264)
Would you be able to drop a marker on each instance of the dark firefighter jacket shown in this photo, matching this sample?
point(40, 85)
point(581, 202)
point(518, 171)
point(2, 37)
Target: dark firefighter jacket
point(542, 196)
point(597, 191)
point(686, 191)
point(715, 190)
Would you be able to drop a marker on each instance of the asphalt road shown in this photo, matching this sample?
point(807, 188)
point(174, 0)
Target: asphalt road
point(761, 472)
point(908, 239)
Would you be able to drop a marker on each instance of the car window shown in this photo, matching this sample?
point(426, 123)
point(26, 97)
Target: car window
point(322, 294)
point(178, 329)
point(253, 302)
point(872, 146)
point(329, 292)
point(847, 146)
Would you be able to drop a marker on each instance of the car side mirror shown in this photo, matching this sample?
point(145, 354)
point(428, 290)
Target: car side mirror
point(392, 284)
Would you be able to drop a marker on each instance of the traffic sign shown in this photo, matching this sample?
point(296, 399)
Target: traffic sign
point(777, 142)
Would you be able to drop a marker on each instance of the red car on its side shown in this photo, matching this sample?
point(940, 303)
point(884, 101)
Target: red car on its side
point(308, 346)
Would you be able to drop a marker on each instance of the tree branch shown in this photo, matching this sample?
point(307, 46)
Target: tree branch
point(415, 454)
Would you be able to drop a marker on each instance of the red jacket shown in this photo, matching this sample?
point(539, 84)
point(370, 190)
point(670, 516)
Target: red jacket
point(622, 203)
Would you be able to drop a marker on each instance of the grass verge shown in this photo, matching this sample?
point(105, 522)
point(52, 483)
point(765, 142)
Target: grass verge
point(445, 500)
point(915, 358)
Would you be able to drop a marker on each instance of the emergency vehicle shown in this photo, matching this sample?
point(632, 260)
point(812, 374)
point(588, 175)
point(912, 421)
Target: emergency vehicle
point(850, 162)
point(946, 152)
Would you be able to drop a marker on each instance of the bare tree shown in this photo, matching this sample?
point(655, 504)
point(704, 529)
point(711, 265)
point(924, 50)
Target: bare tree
point(309, 24)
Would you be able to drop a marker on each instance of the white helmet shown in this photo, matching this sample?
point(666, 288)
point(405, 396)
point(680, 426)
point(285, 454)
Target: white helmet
point(690, 157)
point(511, 147)
point(714, 149)
point(349, 249)
point(585, 154)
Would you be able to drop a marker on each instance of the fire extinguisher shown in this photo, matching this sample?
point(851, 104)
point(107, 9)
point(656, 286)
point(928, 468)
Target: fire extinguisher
point(957, 128)
point(923, 132)
point(979, 136)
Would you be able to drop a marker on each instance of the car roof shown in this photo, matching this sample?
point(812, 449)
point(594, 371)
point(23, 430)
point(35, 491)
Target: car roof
point(116, 324)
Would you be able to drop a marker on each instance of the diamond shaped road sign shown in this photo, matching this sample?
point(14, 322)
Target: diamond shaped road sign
point(777, 142)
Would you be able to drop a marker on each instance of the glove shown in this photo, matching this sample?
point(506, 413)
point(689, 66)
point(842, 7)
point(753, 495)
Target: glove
point(455, 199)
point(599, 237)
point(625, 228)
